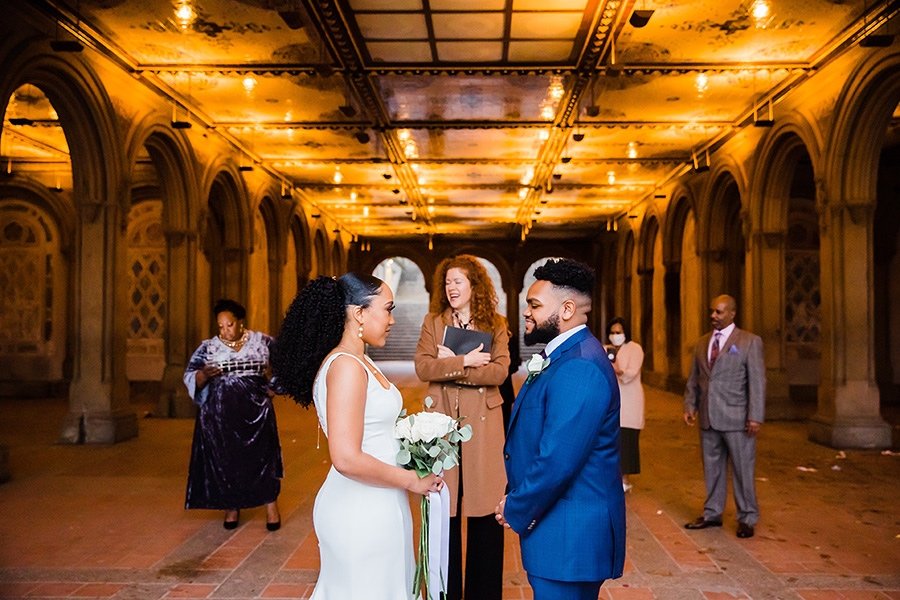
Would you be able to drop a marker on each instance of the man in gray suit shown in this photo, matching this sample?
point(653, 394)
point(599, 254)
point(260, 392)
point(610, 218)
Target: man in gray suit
point(727, 390)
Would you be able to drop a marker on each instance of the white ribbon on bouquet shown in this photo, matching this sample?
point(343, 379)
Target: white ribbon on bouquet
point(438, 542)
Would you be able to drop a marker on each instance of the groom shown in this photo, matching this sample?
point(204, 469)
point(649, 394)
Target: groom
point(565, 495)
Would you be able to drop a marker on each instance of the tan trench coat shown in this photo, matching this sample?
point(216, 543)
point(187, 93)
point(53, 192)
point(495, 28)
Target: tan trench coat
point(472, 393)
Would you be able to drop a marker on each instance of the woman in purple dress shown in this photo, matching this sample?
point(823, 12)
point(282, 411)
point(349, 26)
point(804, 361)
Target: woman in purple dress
point(236, 454)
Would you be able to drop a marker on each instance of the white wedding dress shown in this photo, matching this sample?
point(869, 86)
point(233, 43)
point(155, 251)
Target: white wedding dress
point(365, 532)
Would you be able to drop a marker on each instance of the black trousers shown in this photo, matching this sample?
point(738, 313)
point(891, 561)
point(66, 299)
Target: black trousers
point(484, 559)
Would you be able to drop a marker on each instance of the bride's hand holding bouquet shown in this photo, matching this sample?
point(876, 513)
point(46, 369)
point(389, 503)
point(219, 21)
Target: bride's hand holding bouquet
point(429, 445)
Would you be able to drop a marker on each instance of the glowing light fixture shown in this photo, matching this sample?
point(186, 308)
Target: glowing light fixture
point(249, 82)
point(185, 14)
point(338, 176)
point(702, 83)
point(632, 150)
point(761, 13)
point(611, 177)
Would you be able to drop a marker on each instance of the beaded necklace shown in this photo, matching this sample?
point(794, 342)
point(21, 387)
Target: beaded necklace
point(236, 344)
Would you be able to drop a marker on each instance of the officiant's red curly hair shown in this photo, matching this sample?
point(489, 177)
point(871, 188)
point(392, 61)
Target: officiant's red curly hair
point(483, 305)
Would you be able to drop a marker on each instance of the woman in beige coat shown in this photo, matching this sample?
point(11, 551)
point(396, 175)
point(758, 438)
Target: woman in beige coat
point(627, 357)
point(466, 386)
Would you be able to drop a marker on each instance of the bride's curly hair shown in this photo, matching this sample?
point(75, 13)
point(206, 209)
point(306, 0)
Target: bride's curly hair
point(482, 306)
point(313, 326)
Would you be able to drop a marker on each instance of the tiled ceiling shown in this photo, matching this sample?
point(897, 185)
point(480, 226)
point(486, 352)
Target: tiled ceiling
point(416, 117)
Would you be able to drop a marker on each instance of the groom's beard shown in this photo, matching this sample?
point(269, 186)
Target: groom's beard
point(543, 333)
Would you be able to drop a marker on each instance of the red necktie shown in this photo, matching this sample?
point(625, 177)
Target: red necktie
point(714, 351)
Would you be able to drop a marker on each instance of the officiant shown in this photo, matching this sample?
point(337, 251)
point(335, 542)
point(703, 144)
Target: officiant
point(463, 354)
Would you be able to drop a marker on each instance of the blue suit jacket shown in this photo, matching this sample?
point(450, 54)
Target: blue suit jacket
point(562, 459)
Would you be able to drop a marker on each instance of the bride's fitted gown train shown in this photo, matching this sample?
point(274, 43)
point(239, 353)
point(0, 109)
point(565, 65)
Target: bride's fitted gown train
point(365, 532)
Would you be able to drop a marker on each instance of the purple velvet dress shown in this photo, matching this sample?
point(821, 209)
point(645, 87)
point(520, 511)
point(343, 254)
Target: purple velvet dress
point(236, 454)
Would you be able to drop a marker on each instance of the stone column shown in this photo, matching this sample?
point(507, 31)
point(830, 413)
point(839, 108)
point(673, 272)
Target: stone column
point(98, 395)
point(182, 249)
point(764, 316)
point(848, 414)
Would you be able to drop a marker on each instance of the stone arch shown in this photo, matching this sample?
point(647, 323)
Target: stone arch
point(86, 114)
point(320, 252)
point(722, 238)
point(302, 243)
point(849, 401)
point(226, 238)
point(338, 256)
point(869, 98)
point(785, 277)
point(98, 398)
point(679, 295)
point(174, 161)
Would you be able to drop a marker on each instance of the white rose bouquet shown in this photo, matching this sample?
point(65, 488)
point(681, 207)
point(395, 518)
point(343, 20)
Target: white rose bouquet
point(429, 443)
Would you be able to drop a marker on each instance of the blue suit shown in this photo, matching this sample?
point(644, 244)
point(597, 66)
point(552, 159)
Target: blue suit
point(565, 495)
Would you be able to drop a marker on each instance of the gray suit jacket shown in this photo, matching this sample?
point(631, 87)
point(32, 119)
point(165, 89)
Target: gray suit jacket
point(734, 391)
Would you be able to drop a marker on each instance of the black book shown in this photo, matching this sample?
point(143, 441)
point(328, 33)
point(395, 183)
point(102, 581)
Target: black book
point(463, 341)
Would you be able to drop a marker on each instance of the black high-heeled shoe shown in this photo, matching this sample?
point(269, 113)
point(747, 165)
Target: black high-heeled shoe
point(232, 524)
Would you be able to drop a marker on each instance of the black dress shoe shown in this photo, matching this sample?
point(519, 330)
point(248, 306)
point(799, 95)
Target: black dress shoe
point(702, 523)
point(232, 524)
point(273, 526)
point(745, 531)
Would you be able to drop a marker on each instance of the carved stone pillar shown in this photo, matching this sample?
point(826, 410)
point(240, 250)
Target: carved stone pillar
point(848, 414)
point(182, 249)
point(765, 317)
point(98, 395)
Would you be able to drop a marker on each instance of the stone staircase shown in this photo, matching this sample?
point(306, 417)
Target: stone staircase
point(401, 343)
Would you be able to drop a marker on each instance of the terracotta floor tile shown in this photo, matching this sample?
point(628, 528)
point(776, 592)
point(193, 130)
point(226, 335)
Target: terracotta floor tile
point(191, 590)
point(130, 520)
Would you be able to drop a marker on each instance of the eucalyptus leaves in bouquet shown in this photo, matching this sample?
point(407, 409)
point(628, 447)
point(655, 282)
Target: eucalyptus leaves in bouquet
point(429, 443)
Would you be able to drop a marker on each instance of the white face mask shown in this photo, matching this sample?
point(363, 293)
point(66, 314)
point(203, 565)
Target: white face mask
point(617, 339)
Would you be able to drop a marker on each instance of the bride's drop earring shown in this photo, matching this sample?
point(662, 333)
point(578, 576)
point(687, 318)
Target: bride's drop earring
point(360, 331)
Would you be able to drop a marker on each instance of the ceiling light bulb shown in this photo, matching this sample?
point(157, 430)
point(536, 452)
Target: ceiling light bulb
point(547, 112)
point(556, 90)
point(523, 192)
point(249, 82)
point(365, 211)
point(184, 14)
point(760, 13)
point(338, 176)
point(543, 135)
point(611, 177)
point(353, 196)
point(702, 83)
point(632, 150)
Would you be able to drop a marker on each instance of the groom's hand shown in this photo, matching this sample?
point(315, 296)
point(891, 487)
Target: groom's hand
point(498, 512)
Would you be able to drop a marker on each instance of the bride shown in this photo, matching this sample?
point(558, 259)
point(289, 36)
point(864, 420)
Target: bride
point(361, 515)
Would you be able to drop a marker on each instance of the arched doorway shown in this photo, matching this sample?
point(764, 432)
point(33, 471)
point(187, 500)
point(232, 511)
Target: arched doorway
point(407, 281)
point(35, 199)
point(887, 277)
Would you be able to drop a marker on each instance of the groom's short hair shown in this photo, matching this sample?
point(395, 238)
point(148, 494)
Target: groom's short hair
point(567, 273)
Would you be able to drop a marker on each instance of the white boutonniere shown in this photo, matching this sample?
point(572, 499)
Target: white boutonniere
point(534, 367)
